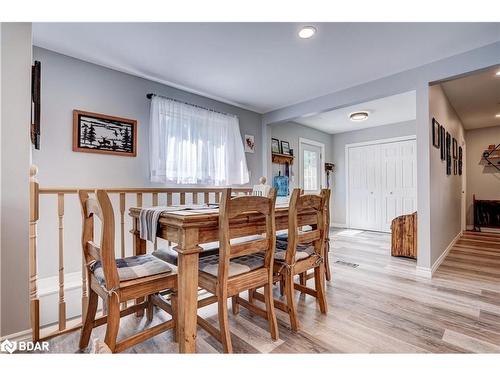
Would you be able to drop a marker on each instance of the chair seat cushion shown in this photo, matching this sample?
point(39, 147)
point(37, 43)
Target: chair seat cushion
point(237, 266)
point(133, 267)
point(303, 250)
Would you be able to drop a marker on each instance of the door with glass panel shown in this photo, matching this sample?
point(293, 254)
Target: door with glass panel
point(310, 166)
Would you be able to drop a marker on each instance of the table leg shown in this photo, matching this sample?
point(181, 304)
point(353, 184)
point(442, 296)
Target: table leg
point(139, 246)
point(187, 293)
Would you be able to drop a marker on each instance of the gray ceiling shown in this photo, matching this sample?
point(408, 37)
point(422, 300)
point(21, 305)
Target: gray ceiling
point(262, 66)
point(476, 98)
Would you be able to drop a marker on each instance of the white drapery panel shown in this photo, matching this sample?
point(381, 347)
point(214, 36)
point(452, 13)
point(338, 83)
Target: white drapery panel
point(191, 145)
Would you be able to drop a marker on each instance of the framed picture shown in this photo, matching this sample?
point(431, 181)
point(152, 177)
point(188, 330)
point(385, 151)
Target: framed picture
point(448, 153)
point(442, 141)
point(455, 167)
point(460, 162)
point(285, 148)
point(249, 143)
point(275, 146)
point(455, 149)
point(103, 134)
point(436, 130)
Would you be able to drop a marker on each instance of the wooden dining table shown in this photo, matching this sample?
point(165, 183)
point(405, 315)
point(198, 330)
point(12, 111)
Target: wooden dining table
point(188, 228)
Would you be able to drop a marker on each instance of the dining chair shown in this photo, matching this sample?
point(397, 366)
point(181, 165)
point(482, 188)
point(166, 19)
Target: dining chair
point(298, 252)
point(118, 280)
point(241, 264)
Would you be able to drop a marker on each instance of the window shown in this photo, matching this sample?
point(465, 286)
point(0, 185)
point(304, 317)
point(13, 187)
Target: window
point(311, 164)
point(192, 145)
point(310, 170)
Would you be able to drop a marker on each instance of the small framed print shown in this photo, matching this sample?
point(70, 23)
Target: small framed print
point(448, 154)
point(103, 134)
point(436, 133)
point(455, 167)
point(275, 146)
point(442, 140)
point(285, 148)
point(249, 143)
point(455, 149)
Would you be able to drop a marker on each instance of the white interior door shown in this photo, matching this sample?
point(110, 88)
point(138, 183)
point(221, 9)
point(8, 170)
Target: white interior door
point(364, 192)
point(382, 184)
point(398, 176)
point(311, 161)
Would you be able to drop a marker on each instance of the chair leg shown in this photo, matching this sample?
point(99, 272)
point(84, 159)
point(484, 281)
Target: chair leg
point(290, 301)
point(234, 304)
point(150, 310)
point(328, 272)
point(89, 319)
point(250, 295)
point(175, 331)
point(319, 281)
point(303, 278)
point(282, 288)
point(113, 323)
point(225, 335)
point(271, 315)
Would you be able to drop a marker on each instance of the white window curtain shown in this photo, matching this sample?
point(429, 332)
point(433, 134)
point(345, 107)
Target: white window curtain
point(192, 145)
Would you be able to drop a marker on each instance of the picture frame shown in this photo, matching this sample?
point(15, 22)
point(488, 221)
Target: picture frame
point(436, 133)
point(442, 140)
point(460, 161)
point(455, 167)
point(455, 149)
point(249, 143)
point(275, 146)
point(104, 134)
point(285, 147)
point(448, 154)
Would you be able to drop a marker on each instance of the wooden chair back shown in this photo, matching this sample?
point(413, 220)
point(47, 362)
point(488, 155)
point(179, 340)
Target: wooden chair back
point(231, 208)
point(99, 206)
point(317, 205)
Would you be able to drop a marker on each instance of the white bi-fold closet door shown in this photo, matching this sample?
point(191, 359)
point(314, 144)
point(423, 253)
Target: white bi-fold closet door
point(381, 183)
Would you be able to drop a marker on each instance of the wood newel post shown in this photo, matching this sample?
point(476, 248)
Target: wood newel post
point(33, 270)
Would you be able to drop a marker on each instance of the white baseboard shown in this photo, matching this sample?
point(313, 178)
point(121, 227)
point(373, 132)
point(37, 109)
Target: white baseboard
point(18, 336)
point(429, 272)
point(338, 225)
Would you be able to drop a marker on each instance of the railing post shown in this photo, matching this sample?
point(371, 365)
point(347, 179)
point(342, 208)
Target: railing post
point(62, 303)
point(33, 287)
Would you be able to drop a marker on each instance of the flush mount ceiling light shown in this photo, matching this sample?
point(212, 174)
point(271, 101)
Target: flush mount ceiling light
point(358, 116)
point(497, 115)
point(497, 73)
point(307, 32)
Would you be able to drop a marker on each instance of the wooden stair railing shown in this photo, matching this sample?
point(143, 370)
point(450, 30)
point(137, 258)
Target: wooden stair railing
point(63, 195)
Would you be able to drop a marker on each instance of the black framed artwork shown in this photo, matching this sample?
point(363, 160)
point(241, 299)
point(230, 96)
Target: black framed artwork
point(460, 162)
point(442, 137)
point(436, 130)
point(285, 148)
point(275, 146)
point(448, 153)
point(455, 149)
point(455, 167)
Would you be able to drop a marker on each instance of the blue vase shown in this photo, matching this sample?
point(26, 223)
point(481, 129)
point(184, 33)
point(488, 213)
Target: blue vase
point(280, 183)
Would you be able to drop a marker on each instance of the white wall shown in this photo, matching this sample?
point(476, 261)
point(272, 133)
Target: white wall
point(15, 162)
point(446, 191)
point(482, 180)
point(337, 156)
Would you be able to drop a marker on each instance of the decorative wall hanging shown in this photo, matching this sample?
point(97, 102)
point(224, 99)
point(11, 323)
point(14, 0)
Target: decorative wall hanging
point(103, 134)
point(275, 146)
point(442, 140)
point(492, 156)
point(285, 148)
point(448, 153)
point(455, 149)
point(436, 130)
point(35, 104)
point(455, 166)
point(249, 143)
point(460, 165)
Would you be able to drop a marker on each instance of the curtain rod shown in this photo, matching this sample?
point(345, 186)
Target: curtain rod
point(150, 96)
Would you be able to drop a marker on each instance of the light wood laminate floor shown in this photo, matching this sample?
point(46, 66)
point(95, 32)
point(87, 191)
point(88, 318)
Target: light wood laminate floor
point(380, 306)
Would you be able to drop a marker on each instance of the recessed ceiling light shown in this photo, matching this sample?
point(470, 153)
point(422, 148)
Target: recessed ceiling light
point(497, 115)
point(497, 73)
point(307, 32)
point(358, 116)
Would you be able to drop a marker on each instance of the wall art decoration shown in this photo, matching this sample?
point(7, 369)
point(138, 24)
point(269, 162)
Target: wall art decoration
point(448, 153)
point(275, 146)
point(455, 149)
point(460, 161)
point(442, 138)
point(249, 143)
point(103, 134)
point(436, 130)
point(285, 148)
